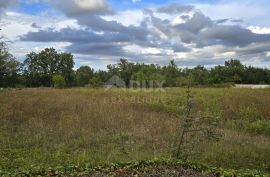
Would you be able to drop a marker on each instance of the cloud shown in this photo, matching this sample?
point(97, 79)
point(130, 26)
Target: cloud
point(259, 30)
point(6, 3)
point(175, 9)
point(196, 23)
point(75, 8)
point(230, 35)
point(154, 36)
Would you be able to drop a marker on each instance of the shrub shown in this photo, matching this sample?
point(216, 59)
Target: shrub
point(59, 81)
point(95, 82)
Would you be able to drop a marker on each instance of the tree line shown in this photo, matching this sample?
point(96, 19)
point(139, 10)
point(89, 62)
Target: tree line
point(50, 68)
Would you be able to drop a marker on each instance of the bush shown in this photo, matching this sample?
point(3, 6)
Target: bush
point(95, 82)
point(59, 81)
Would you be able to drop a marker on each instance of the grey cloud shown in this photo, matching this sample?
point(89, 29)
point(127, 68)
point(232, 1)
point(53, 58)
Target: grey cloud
point(128, 34)
point(109, 49)
point(6, 3)
point(70, 35)
point(226, 20)
point(87, 13)
point(196, 23)
point(237, 20)
point(230, 35)
point(202, 31)
point(34, 25)
point(253, 49)
point(185, 17)
point(73, 8)
point(176, 9)
point(222, 21)
point(99, 24)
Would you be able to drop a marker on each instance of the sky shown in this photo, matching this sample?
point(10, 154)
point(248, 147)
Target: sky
point(100, 32)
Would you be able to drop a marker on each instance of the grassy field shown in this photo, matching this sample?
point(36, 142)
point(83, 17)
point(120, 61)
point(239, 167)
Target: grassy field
point(50, 127)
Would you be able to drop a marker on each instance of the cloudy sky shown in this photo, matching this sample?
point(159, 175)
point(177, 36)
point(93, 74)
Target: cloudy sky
point(99, 32)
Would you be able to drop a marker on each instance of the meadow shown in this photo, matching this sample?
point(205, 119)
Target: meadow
point(55, 127)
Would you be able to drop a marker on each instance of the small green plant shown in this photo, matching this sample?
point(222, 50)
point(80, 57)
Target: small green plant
point(192, 130)
point(59, 81)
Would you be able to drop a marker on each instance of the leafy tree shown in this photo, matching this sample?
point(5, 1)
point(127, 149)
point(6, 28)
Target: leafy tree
point(124, 70)
point(40, 68)
point(66, 65)
point(234, 71)
point(83, 74)
point(171, 72)
point(217, 75)
point(8, 67)
point(200, 75)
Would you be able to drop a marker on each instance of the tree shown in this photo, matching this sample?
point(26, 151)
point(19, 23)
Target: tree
point(171, 72)
point(8, 67)
point(59, 81)
point(48, 60)
point(234, 71)
point(83, 74)
point(66, 65)
point(217, 75)
point(200, 75)
point(40, 68)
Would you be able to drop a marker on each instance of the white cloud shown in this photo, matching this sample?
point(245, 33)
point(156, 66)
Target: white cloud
point(259, 30)
point(90, 5)
point(151, 50)
point(127, 17)
point(78, 7)
point(13, 21)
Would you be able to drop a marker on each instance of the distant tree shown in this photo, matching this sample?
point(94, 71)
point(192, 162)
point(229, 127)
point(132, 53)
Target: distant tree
point(217, 75)
point(102, 75)
point(59, 81)
point(200, 75)
point(66, 65)
point(256, 75)
point(8, 67)
point(83, 74)
point(234, 71)
point(171, 72)
point(40, 68)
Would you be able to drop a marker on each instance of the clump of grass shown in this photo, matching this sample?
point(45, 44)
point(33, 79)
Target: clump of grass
point(259, 127)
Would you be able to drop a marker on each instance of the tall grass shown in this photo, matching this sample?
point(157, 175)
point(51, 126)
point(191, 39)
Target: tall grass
point(51, 127)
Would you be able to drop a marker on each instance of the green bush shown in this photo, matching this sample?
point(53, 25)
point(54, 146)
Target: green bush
point(59, 81)
point(95, 82)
